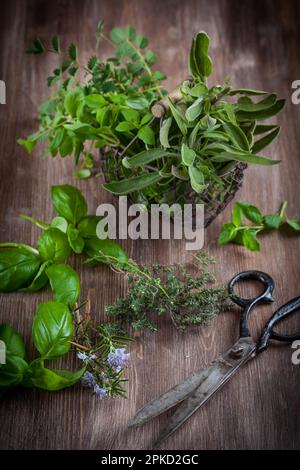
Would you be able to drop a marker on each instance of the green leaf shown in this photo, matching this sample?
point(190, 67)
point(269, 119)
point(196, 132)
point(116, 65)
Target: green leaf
point(52, 329)
point(68, 202)
point(151, 58)
point(236, 135)
point(246, 91)
point(73, 99)
point(14, 344)
point(75, 240)
point(88, 225)
point(187, 155)
point(249, 106)
point(18, 267)
point(60, 223)
point(95, 101)
point(264, 141)
point(65, 283)
point(145, 157)
point(159, 75)
point(262, 128)
point(261, 115)
point(140, 103)
point(200, 63)
point(164, 132)
point(117, 35)
point(53, 245)
point(251, 212)
point(198, 91)
point(294, 224)
point(194, 110)
point(39, 376)
point(125, 126)
point(246, 157)
point(94, 247)
point(39, 223)
point(228, 233)
point(180, 120)
point(141, 41)
point(249, 240)
point(39, 281)
point(146, 134)
point(130, 185)
point(35, 47)
point(55, 41)
point(73, 53)
point(12, 372)
point(237, 215)
point(272, 221)
point(130, 115)
point(83, 174)
point(180, 173)
point(27, 144)
point(196, 179)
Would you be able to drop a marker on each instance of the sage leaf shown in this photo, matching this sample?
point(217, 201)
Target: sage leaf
point(52, 329)
point(261, 115)
point(196, 179)
point(249, 106)
point(145, 157)
point(265, 141)
point(194, 110)
point(179, 118)
point(246, 158)
point(187, 155)
point(65, 283)
point(236, 135)
point(164, 132)
point(69, 202)
point(130, 185)
point(246, 91)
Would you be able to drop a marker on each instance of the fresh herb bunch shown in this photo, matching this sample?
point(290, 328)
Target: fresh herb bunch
point(237, 231)
point(25, 268)
point(187, 293)
point(104, 103)
point(204, 134)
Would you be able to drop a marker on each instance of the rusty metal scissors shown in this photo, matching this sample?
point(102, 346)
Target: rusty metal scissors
point(199, 387)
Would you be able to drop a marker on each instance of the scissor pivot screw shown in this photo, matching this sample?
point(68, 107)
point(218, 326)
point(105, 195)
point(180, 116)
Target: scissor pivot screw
point(237, 351)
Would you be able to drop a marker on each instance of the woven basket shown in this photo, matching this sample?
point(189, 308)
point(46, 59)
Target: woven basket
point(214, 199)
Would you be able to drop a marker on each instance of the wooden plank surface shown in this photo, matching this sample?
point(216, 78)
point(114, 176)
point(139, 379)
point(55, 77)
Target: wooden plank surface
point(258, 45)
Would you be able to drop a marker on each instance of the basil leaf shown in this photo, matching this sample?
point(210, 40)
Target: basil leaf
point(64, 283)
point(294, 224)
point(14, 344)
point(145, 157)
point(52, 329)
point(39, 376)
point(187, 155)
point(96, 248)
point(69, 202)
point(18, 267)
point(164, 132)
point(130, 185)
point(40, 279)
point(53, 245)
point(12, 372)
point(61, 223)
point(75, 240)
point(87, 227)
point(264, 141)
point(272, 221)
point(227, 234)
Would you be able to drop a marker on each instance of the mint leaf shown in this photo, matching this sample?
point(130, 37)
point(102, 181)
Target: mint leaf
point(228, 234)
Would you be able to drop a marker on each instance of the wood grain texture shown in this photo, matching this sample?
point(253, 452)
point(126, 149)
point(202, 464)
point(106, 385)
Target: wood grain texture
point(258, 45)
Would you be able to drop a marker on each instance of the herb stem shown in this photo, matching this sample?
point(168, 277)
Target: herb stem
point(282, 210)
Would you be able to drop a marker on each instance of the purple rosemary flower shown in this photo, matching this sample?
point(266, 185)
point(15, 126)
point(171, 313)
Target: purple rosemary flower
point(85, 357)
point(118, 359)
point(88, 379)
point(101, 392)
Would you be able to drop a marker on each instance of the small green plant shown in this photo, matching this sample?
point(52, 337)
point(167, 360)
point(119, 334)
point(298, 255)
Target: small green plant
point(106, 105)
point(237, 231)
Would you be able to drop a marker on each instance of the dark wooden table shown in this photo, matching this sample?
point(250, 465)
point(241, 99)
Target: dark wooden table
point(258, 45)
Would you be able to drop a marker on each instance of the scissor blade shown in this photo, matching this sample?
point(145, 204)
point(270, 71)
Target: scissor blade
point(219, 372)
point(168, 399)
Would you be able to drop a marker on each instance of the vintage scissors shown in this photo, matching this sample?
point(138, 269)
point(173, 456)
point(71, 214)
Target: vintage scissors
point(199, 387)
